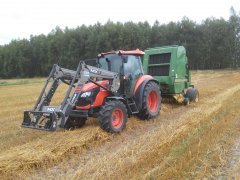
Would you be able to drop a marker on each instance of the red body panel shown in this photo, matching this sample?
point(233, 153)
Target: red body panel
point(83, 107)
point(89, 86)
point(100, 97)
point(139, 82)
point(132, 52)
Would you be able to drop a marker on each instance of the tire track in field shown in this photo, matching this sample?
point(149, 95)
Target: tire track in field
point(128, 152)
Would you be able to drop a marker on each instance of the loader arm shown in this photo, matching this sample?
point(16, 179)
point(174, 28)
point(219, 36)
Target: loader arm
point(89, 72)
point(56, 116)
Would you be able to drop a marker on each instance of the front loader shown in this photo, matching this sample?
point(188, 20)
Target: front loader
point(112, 91)
point(46, 117)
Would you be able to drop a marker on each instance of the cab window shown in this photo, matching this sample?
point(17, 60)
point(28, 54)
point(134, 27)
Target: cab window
point(133, 66)
point(110, 62)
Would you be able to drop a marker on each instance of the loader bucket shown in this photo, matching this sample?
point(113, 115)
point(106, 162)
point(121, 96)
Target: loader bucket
point(40, 120)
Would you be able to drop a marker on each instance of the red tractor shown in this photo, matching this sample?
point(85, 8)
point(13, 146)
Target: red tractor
point(112, 91)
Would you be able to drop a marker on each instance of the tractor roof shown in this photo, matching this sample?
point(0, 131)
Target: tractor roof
point(121, 52)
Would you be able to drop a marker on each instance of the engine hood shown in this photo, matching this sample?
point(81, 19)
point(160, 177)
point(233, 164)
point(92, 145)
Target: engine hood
point(88, 86)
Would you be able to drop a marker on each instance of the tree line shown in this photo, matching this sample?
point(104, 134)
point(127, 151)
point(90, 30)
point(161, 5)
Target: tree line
point(212, 44)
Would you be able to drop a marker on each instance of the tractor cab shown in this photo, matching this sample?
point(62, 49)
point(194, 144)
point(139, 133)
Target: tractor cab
point(127, 64)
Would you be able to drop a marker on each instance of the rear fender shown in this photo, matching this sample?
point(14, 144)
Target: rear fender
point(139, 88)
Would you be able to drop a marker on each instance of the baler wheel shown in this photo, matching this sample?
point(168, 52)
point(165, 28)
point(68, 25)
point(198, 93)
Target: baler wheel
point(186, 101)
point(192, 94)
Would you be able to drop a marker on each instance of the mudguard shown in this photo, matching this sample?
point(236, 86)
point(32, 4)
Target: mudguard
point(139, 88)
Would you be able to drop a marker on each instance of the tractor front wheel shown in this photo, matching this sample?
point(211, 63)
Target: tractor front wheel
point(151, 101)
point(113, 116)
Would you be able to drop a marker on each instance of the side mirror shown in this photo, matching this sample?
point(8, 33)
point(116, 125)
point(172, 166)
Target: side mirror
point(125, 59)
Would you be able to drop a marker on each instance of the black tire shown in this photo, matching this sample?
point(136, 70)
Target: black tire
point(74, 122)
point(186, 101)
point(146, 112)
point(113, 116)
point(192, 94)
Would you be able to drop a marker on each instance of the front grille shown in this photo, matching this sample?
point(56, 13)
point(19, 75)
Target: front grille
point(158, 70)
point(159, 58)
point(83, 101)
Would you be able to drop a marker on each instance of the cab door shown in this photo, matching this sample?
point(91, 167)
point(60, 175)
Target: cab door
point(132, 71)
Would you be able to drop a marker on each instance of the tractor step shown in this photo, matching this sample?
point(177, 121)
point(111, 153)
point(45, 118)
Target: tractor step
point(132, 106)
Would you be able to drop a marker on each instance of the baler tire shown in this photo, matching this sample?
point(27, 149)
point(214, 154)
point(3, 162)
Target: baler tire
point(186, 101)
point(113, 116)
point(145, 113)
point(73, 123)
point(192, 94)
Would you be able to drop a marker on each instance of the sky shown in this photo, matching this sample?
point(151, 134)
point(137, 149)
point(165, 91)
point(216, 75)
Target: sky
point(21, 18)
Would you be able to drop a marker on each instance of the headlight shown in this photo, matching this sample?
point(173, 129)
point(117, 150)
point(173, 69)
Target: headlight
point(86, 94)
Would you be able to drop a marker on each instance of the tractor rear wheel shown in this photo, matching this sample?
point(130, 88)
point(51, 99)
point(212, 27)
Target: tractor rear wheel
point(151, 101)
point(113, 116)
point(74, 122)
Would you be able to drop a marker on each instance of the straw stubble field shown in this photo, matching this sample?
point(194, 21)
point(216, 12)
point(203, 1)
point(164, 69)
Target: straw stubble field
point(196, 141)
